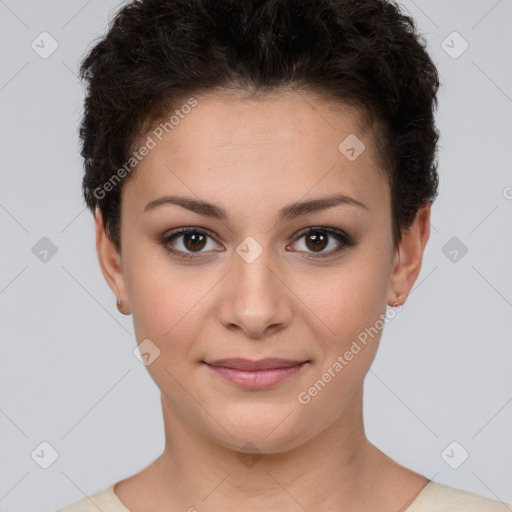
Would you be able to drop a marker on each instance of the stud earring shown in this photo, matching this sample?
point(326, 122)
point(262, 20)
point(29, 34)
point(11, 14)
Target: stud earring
point(399, 301)
point(120, 304)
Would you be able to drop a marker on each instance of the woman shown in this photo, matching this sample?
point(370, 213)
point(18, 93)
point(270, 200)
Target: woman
point(261, 175)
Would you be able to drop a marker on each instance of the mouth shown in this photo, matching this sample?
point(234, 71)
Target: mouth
point(260, 374)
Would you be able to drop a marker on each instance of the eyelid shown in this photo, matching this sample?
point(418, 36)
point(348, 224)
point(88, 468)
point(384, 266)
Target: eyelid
point(344, 240)
point(183, 231)
point(330, 230)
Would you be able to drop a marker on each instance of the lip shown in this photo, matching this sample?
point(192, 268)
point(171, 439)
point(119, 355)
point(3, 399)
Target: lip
point(260, 374)
point(269, 363)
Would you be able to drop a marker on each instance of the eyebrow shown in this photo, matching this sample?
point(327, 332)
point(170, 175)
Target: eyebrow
point(287, 212)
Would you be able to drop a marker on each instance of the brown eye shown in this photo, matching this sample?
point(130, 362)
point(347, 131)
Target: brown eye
point(194, 241)
point(187, 242)
point(316, 240)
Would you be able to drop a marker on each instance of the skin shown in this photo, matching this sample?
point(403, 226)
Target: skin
point(252, 158)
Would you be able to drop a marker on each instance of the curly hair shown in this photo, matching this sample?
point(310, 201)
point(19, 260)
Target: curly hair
point(361, 53)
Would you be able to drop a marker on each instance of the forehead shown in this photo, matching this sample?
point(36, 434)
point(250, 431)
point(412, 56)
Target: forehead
point(284, 144)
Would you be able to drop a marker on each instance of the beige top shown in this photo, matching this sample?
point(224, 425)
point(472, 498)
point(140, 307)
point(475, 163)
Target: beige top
point(434, 497)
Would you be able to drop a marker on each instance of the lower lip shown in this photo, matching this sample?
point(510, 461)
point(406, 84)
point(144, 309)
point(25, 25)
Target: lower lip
point(259, 379)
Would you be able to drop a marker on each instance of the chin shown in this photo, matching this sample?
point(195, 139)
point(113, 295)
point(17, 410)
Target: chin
point(266, 429)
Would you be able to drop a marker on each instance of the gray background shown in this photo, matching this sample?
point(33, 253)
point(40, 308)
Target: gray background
point(68, 375)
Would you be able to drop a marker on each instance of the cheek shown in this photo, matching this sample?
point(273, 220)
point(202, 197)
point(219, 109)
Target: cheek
point(345, 300)
point(167, 301)
point(352, 309)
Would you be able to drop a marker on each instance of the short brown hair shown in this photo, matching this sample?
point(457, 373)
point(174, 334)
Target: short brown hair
point(365, 53)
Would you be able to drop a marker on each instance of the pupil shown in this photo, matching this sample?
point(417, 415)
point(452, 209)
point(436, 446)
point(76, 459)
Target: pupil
point(318, 240)
point(196, 240)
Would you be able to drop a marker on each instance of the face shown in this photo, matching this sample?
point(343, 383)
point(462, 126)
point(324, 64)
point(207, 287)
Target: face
point(255, 277)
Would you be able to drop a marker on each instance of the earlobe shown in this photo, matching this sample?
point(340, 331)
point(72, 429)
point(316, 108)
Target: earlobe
point(409, 257)
point(111, 264)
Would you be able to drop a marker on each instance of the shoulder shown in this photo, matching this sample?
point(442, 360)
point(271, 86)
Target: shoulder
point(105, 500)
point(442, 498)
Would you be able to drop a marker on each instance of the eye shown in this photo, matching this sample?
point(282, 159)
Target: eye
point(192, 240)
point(318, 238)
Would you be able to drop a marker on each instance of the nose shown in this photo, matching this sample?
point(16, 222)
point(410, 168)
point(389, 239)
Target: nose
point(255, 298)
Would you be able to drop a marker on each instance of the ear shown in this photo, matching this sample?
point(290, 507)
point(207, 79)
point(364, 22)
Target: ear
point(111, 264)
point(409, 256)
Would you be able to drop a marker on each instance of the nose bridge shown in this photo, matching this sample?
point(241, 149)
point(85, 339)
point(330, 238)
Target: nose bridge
point(252, 274)
point(255, 298)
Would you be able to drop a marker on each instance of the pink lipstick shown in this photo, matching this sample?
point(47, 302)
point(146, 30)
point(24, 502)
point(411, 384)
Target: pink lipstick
point(260, 374)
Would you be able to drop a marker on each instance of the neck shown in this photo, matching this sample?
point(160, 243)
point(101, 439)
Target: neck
point(336, 470)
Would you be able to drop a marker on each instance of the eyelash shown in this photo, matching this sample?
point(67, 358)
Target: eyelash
point(344, 239)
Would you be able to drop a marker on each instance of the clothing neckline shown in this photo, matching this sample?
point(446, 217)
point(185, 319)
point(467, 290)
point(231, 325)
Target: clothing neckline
point(422, 492)
point(116, 498)
point(429, 485)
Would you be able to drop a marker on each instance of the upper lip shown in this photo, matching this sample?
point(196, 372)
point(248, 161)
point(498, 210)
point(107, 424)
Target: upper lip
point(261, 364)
